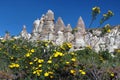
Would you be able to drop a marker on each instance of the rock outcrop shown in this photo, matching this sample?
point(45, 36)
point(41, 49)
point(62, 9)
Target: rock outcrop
point(45, 28)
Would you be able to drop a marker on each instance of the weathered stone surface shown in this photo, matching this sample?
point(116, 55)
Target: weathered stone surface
point(48, 25)
point(42, 20)
point(59, 26)
point(24, 34)
point(60, 38)
point(68, 28)
point(79, 40)
point(81, 26)
point(50, 15)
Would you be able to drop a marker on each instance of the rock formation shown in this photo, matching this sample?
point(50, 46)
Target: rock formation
point(59, 26)
point(81, 26)
point(24, 34)
point(46, 29)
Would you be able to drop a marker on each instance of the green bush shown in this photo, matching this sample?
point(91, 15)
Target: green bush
point(43, 60)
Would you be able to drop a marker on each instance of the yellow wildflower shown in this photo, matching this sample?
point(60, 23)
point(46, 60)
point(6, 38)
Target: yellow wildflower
point(31, 63)
point(80, 70)
point(72, 53)
point(40, 60)
point(46, 74)
point(96, 9)
point(40, 65)
point(32, 50)
point(67, 62)
point(49, 61)
point(110, 13)
point(61, 54)
point(50, 72)
point(14, 65)
point(37, 72)
point(27, 55)
point(72, 72)
point(34, 72)
point(17, 65)
point(11, 66)
point(112, 74)
point(83, 72)
point(69, 45)
point(55, 55)
point(58, 54)
point(108, 30)
point(73, 59)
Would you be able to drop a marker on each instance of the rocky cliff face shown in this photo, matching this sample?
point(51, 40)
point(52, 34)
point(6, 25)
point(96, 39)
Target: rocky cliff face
point(46, 29)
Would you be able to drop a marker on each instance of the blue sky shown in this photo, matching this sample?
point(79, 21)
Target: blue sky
point(16, 13)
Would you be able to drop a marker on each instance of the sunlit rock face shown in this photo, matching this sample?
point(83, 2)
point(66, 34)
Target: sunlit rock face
point(68, 33)
point(60, 38)
point(59, 26)
point(48, 22)
point(24, 34)
point(46, 28)
point(81, 26)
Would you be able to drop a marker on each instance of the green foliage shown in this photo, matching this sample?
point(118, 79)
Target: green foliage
point(43, 60)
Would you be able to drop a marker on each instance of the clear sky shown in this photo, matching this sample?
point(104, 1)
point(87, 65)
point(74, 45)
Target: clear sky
point(16, 13)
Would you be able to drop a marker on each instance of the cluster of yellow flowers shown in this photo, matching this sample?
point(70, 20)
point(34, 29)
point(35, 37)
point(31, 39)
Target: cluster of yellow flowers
point(37, 72)
point(29, 53)
point(14, 65)
point(40, 60)
point(73, 59)
point(32, 50)
point(66, 45)
point(96, 10)
point(69, 45)
point(82, 72)
point(57, 54)
point(49, 61)
point(72, 71)
point(109, 13)
point(106, 16)
point(112, 74)
point(67, 62)
point(50, 73)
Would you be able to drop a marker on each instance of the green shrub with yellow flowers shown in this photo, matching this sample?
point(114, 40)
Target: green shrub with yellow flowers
point(43, 60)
